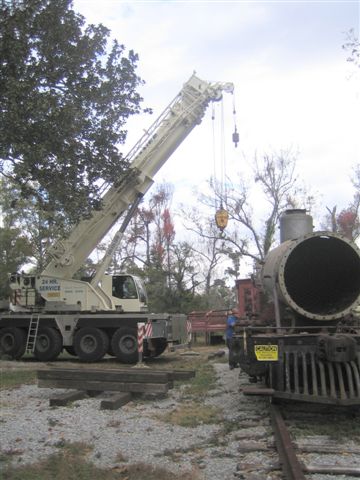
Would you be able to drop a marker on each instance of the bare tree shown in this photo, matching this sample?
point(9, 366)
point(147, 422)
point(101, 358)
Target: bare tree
point(253, 218)
point(352, 47)
point(209, 249)
point(279, 189)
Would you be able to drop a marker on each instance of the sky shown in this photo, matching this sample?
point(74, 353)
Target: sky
point(294, 89)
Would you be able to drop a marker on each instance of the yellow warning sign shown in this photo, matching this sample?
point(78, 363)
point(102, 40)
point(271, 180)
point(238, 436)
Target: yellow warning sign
point(266, 353)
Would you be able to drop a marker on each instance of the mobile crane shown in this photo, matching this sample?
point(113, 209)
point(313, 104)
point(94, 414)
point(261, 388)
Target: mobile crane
point(53, 311)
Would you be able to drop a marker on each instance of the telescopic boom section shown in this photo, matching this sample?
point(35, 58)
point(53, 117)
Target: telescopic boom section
point(147, 157)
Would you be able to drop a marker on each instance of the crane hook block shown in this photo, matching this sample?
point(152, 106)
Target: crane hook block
point(235, 137)
point(221, 219)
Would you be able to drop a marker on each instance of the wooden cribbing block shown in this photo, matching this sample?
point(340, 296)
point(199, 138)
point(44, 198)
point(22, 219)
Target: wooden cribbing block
point(115, 401)
point(121, 380)
point(103, 386)
point(106, 375)
point(93, 393)
point(264, 392)
point(65, 398)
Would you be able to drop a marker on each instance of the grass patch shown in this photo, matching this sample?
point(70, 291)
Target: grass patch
point(15, 378)
point(193, 412)
point(70, 463)
point(192, 415)
point(339, 428)
point(204, 380)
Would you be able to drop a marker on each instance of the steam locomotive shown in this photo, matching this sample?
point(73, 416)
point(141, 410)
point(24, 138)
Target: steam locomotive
point(299, 332)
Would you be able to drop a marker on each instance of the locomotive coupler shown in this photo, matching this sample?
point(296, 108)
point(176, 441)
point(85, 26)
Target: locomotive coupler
point(336, 348)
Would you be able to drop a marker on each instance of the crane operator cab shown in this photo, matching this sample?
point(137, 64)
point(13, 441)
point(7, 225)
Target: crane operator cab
point(127, 292)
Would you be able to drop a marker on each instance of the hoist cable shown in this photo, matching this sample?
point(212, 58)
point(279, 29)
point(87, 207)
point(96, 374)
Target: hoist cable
point(214, 153)
point(234, 108)
point(235, 136)
point(223, 154)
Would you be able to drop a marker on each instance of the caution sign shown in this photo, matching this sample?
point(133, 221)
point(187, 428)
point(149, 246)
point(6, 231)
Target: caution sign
point(266, 353)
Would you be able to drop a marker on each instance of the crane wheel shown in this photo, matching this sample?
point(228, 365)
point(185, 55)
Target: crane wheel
point(155, 347)
point(12, 342)
point(124, 344)
point(160, 346)
point(70, 350)
point(48, 344)
point(91, 344)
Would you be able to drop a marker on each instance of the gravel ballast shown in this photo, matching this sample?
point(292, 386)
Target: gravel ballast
point(32, 430)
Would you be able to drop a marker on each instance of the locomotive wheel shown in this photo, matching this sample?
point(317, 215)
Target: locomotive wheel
point(48, 344)
point(12, 342)
point(91, 344)
point(124, 344)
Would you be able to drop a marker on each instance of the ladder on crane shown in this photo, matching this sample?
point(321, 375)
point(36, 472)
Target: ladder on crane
point(32, 333)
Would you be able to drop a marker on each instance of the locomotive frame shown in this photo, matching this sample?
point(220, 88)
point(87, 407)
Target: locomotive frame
point(298, 330)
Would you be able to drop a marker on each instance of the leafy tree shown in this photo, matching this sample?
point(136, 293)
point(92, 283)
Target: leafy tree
point(145, 235)
point(347, 221)
point(66, 94)
point(15, 248)
point(220, 296)
point(149, 249)
point(169, 236)
point(39, 227)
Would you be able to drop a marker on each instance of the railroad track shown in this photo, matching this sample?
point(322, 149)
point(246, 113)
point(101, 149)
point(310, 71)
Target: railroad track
point(300, 441)
point(317, 441)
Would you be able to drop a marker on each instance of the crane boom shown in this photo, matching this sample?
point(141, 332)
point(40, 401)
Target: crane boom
point(56, 289)
point(146, 158)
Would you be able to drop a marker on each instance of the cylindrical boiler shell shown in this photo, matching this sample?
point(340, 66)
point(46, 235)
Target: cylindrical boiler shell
point(317, 275)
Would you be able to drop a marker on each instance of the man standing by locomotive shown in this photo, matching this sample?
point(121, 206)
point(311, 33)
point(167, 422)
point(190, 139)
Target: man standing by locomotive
point(230, 324)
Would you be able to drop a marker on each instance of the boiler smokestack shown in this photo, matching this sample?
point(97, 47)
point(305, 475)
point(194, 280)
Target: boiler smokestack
point(295, 223)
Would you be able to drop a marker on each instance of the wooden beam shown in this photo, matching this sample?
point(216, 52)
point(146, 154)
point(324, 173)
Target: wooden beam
point(115, 401)
point(333, 470)
point(103, 386)
point(264, 392)
point(66, 398)
point(143, 375)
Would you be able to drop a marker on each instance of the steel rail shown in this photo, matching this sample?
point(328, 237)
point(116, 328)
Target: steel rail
point(291, 467)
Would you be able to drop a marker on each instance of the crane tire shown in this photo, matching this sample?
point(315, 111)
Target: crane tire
point(12, 342)
point(124, 344)
point(110, 351)
point(91, 344)
point(70, 350)
point(48, 344)
point(160, 346)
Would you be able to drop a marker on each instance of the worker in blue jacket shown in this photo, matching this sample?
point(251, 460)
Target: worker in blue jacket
point(230, 324)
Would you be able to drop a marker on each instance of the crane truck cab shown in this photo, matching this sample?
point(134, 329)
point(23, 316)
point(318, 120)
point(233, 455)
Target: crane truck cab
point(127, 292)
point(121, 292)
